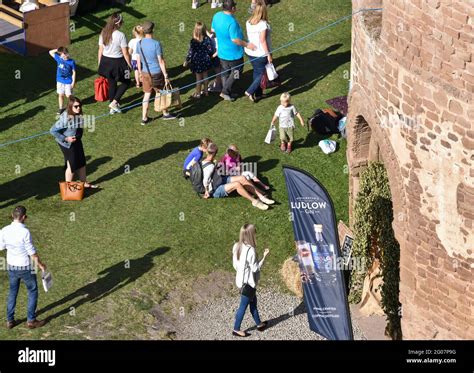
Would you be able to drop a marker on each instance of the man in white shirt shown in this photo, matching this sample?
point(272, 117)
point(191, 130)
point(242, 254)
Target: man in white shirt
point(22, 260)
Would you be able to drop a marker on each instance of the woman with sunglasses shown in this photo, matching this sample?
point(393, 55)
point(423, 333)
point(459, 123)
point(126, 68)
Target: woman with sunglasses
point(68, 132)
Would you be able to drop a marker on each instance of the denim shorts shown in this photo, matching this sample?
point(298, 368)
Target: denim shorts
point(220, 190)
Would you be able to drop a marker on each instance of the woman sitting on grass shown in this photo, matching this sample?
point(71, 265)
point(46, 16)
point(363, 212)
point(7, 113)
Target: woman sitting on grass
point(232, 164)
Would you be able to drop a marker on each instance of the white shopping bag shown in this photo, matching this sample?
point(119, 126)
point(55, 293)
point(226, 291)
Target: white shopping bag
point(271, 134)
point(327, 146)
point(47, 280)
point(271, 71)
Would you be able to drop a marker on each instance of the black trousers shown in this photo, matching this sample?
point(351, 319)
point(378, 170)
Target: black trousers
point(229, 77)
point(116, 91)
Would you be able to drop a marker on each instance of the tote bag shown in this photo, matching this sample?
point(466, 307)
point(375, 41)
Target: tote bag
point(101, 89)
point(271, 134)
point(71, 190)
point(168, 98)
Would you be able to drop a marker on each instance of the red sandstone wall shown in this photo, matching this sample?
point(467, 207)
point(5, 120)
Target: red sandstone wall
point(414, 85)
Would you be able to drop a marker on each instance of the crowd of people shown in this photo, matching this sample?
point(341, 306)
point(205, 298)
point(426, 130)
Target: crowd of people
point(220, 48)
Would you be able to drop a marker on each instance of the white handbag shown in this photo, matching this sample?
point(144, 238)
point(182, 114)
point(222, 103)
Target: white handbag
point(271, 134)
point(271, 71)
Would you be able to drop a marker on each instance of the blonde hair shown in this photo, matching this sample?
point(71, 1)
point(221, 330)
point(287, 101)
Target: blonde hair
point(247, 236)
point(200, 31)
point(285, 97)
point(260, 13)
point(138, 32)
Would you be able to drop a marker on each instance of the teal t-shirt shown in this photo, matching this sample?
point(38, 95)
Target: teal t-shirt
point(227, 28)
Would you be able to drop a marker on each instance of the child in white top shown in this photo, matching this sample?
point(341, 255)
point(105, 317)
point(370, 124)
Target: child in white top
point(132, 49)
point(286, 113)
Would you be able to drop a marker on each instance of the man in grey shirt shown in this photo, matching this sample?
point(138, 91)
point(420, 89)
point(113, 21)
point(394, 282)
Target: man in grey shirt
point(21, 261)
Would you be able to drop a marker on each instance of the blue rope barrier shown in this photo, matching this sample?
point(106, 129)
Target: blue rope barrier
point(298, 40)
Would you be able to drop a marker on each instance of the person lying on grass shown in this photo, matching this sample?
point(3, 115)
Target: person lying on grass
point(220, 186)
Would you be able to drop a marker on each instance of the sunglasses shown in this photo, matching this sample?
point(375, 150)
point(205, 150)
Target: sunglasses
point(76, 106)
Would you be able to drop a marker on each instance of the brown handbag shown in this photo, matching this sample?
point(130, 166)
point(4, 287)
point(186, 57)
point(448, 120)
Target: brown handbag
point(71, 190)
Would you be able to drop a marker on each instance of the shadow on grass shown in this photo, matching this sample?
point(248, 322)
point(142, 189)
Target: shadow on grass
point(149, 157)
point(13, 120)
point(301, 72)
point(111, 279)
point(40, 184)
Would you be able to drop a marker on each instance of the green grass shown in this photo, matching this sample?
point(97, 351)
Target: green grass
point(152, 207)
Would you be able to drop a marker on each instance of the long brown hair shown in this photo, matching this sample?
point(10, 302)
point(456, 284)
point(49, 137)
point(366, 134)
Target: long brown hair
point(247, 236)
point(70, 104)
point(113, 23)
point(199, 32)
point(260, 13)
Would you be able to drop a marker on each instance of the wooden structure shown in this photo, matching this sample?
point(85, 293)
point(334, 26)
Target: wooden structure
point(34, 32)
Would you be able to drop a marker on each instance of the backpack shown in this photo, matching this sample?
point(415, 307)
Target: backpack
point(325, 122)
point(196, 177)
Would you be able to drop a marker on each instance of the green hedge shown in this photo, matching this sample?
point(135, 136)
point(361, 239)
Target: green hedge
point(374, 238)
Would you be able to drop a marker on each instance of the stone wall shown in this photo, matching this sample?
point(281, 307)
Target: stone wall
point(411, 106)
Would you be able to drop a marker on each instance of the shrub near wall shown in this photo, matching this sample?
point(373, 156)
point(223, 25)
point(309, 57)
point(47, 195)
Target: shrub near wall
point(374, 238)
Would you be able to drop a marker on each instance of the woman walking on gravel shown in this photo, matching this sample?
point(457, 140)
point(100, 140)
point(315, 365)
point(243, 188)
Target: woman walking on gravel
point(248, 268)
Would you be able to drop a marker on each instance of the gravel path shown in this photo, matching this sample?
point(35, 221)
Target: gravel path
point(286, 314)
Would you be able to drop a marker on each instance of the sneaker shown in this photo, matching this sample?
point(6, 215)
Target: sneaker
point(168, 116)
point(288, 148)
point(35, 324)
point(260, 205)
point(114, 109)
point(227, 97)
point(195, 5)
point(215, 5)
point(283, 147)
point(266, 200)
point(60, 111)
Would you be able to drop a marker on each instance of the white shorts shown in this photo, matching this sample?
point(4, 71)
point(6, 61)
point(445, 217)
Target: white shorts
point(63, 89)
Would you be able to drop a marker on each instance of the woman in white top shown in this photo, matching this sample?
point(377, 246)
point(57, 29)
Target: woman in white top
point(259, 34)
point(248, 267)
point(114, 60)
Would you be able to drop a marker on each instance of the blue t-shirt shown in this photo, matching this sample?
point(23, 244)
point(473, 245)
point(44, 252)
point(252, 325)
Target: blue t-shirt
point(65, 69)
point(196, 155)
point(227, 28)
point(149, 49)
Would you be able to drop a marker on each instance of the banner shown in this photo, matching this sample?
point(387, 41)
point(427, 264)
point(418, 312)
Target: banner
point(320, 261)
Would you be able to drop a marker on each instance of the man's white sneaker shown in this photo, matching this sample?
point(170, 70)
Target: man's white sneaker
point(259, 205)
point(195, 5)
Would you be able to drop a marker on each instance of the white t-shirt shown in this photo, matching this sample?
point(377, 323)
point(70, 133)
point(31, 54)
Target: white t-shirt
point(16, 239)
point(114, 49)
point(207, 171)
point(253, 33)
point(286, 116)
point(247, 266)
point(132, 44)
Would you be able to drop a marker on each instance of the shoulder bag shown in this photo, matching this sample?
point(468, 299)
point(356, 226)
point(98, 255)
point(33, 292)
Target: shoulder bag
point(246, 289)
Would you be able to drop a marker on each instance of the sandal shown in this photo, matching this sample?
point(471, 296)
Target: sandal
point(90, 186)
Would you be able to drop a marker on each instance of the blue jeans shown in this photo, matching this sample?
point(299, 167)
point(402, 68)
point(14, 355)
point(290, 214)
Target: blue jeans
point(258, 65)
point(29, 279)
point(244, 303)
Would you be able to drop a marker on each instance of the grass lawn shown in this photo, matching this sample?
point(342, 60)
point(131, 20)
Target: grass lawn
point(145, 232)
